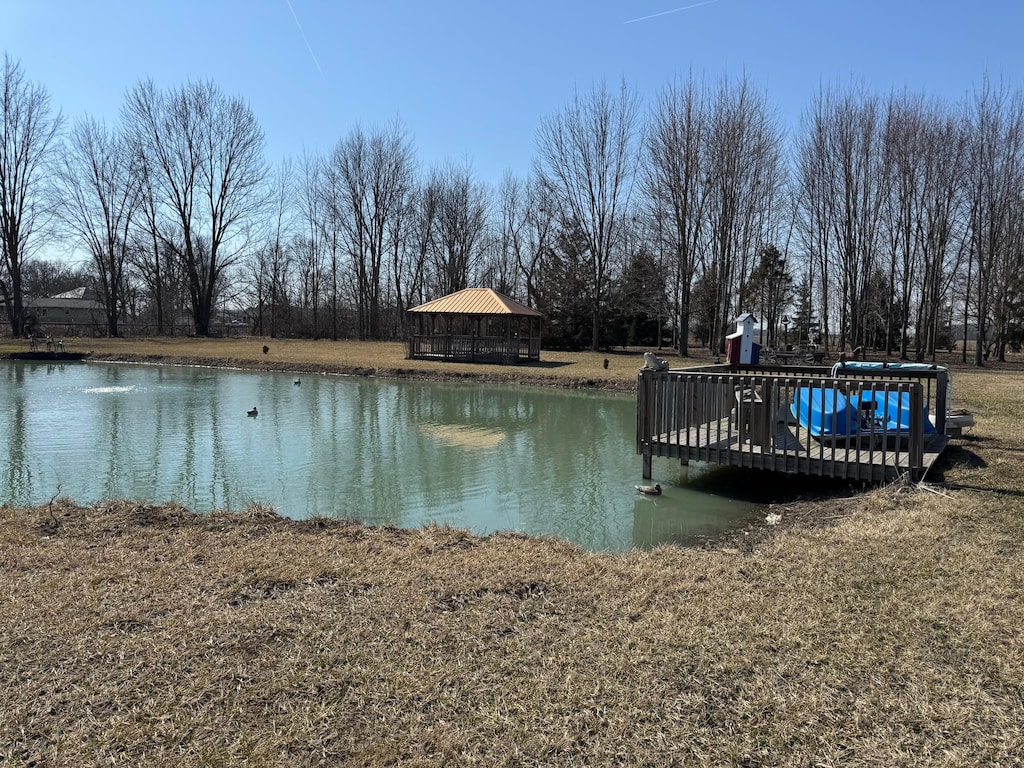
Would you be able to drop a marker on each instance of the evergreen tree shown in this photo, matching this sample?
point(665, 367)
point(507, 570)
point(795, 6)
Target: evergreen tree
point(768, 291)
point(805, 322)
point(639, 302)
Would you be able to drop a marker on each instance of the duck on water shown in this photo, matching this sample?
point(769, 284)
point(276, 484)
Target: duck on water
point(649, 490)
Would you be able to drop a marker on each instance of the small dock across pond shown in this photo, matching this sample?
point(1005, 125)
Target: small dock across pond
point(743, 418)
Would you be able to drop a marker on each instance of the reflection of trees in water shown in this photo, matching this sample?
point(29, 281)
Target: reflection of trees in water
point(548, 453)
point(184, 429)
point(468, 405)
point(111, 485)
point(383, 452)
point(351, 444)
point(18, 474)
point(374, 481)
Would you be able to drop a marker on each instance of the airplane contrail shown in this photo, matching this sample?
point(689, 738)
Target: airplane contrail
point(674, 10)
point(306, 41)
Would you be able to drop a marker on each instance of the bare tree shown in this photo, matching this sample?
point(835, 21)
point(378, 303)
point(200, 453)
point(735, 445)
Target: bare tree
point(272, 262)
point(401, 229)
point(904, 140)
point(372, 177)
point(744, 176)
point(100, 190)
point(996, 179)
point(310, 246)
point(588, 159)
point(269, 271)
point(151, 257)
point(525, 234)
point(459, 226)
point(675, 144)
point(206, 151)
point(412, 264)
point(29, 130)
point(922, 212)
point(332, 237)
point(944, 229)
point(841, 164)
point(501, 268)
point(813, 221)
point(48, 277)
point(541, 218)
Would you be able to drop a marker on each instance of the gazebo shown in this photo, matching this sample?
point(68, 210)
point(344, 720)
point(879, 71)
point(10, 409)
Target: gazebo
point(475, 325)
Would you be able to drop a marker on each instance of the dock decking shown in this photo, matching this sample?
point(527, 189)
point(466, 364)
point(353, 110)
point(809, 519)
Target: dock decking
point(745, 419)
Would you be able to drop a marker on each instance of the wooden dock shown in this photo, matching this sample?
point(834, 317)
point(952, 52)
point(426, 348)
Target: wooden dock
point(744, 418)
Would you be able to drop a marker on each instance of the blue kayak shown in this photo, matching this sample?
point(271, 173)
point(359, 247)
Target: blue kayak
point(830, 413)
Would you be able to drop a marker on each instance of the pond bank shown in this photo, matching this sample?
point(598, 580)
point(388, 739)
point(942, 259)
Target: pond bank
point(489, 376)
point(882, 629)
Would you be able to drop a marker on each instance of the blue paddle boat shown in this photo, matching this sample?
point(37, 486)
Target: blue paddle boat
point(824, 412)
point(827, 412)
point(889, 411)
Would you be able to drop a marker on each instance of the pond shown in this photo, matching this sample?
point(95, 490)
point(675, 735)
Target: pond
point(483, 457)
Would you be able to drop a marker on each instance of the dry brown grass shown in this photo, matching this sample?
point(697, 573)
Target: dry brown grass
point(890, 637)
point(160, 638)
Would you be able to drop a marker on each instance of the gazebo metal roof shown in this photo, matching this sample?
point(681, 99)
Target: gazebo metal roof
point(476, 301)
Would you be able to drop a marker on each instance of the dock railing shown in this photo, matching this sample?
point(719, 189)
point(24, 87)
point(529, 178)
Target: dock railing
point(752, 418)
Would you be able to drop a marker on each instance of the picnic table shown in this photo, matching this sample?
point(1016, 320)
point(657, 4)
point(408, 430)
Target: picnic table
point(793, 356)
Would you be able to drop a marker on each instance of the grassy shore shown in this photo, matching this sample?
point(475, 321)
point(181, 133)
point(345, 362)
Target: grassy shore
point(558, 368)
point(882, 629)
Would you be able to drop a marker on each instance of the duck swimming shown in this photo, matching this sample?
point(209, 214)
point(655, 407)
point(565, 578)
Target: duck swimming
point(252, 412)
point(649, 490)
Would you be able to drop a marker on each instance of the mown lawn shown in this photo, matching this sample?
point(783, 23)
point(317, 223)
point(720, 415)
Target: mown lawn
point(878, 630)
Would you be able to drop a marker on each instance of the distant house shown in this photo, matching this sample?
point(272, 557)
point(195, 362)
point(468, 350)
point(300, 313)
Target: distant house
point(71, 312)
point(475, 325)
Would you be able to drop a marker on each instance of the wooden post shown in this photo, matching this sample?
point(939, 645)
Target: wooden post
point(643, 422)
point(916, 447)
point(941, 393)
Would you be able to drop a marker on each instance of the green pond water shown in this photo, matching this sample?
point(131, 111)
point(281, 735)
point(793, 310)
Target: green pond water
point(482, 457)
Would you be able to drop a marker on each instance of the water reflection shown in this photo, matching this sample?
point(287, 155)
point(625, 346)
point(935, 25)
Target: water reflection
point(404, 453)
point(17, 475)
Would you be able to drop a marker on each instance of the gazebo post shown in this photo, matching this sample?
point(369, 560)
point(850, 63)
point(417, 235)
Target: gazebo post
point(508, 344)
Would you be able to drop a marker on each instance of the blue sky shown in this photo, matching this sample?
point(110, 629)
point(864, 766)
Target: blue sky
point(472, 80)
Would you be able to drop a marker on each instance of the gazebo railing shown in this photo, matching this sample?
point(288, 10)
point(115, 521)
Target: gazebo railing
point(473, 348)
